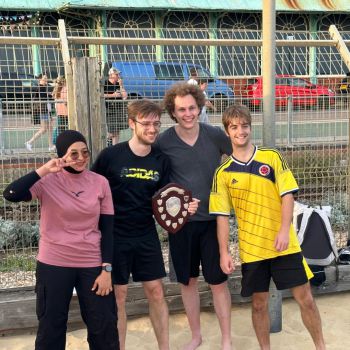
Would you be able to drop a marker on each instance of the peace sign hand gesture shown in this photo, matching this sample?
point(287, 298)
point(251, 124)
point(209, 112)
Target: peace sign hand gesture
point(54, 166)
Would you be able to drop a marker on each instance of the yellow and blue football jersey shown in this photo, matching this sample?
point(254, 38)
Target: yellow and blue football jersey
point(254, 190)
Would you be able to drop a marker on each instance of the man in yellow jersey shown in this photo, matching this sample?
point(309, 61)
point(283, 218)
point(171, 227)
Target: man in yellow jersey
point(258, 185)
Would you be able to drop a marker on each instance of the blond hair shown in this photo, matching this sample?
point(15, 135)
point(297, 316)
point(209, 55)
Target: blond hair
point(59, 83)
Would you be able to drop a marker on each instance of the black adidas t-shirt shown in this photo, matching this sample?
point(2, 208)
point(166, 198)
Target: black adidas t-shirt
point(133, 181)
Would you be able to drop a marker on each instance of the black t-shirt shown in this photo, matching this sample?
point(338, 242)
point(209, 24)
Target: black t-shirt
point(133, 180)
point(42, 99)
point(110, 88)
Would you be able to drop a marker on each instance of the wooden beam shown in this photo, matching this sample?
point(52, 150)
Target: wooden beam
point(80, 94)
point(89, 112)
point(68, 73)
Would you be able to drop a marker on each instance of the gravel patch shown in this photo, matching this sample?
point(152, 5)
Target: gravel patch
point(18, 278)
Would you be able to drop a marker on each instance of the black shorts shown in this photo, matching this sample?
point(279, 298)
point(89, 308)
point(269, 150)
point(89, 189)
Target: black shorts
point(287, 271)
point(196, 244)
point(140, 257)
point(116, 117)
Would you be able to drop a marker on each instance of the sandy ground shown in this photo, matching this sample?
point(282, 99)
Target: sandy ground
point(334, 310)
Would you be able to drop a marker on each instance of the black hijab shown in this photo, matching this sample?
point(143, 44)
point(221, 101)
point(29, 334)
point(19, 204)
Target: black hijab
point(64, 140)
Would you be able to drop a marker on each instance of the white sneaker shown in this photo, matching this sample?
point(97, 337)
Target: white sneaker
point(52, 148)
point(29, 146)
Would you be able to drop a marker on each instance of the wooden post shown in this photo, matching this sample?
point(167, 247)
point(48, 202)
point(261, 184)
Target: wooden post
point(97, 107)
point(87, 95)
point(68, 73)
point(80, 95)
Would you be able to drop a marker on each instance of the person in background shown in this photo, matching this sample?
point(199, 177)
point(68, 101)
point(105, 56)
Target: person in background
point(42, 108)
point(114, 94)
point(75, 246)
point(193, 76)
point(195, 150)
point(135, 171)
point(257, 183)
point(60, 96)
point(203, 117)
point(203, 84)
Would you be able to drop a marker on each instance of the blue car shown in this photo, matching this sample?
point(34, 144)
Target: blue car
point(152, 79)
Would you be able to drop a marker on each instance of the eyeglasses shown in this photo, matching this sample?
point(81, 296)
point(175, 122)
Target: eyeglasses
point(147, 125)
point(74, 155)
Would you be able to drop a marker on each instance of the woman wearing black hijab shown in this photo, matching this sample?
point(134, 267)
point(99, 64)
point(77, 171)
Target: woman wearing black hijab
point(75, 247)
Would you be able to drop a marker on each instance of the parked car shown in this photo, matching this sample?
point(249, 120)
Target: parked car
point(344, 87)
point(152, 79)
point(303, 93)
point(17, 87)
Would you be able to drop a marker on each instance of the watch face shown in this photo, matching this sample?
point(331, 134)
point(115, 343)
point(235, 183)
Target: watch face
point(107, 268)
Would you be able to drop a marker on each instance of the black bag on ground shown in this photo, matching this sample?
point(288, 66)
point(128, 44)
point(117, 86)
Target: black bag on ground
point(319, 275)
point(316, 239)
point(344, 255)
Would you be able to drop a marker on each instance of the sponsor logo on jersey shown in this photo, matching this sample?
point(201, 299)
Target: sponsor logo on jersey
point(140, 173)
point(264, 170)
point(234, 181)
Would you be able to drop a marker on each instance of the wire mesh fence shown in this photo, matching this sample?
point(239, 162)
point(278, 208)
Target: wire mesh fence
point(312, 110)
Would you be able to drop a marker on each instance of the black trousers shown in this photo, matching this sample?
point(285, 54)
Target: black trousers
point(54, 289)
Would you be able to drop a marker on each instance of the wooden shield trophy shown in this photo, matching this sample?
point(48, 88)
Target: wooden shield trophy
point(170, 206)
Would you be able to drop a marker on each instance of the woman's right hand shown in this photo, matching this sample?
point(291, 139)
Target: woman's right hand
point(54, 166)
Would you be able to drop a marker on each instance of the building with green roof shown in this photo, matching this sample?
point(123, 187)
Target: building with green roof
point(205, 19)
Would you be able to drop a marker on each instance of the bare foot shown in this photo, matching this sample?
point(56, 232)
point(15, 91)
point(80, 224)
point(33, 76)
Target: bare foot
point(226, 345)
point(193, 344)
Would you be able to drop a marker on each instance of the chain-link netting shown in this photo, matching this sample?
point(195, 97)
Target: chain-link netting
point(312, 107)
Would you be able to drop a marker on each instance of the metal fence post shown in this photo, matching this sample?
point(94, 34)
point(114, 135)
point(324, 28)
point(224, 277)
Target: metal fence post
point(172, 274)
point(289, 120)
point(275, 309)
point(2, 144)
point(269, 73)
point(269, 118)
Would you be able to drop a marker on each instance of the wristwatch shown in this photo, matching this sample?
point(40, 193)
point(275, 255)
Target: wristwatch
point(107, 268)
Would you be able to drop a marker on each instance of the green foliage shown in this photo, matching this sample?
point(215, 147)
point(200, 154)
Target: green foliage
point(339, 214)
point(18, 262)
point(16, 235)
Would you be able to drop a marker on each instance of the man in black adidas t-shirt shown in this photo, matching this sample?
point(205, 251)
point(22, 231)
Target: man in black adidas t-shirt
point(135, 171)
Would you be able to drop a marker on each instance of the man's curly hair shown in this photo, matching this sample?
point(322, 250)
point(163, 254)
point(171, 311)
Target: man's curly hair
point(182, 89)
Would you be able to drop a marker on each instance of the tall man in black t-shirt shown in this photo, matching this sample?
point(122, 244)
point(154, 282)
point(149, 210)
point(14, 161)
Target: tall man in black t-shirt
point(135, 171)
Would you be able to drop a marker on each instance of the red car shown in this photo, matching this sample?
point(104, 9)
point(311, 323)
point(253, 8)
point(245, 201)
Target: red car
point(303, 93)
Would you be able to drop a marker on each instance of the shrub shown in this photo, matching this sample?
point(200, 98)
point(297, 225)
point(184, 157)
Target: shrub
point(15, 235)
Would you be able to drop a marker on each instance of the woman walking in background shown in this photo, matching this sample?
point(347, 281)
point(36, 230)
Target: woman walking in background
point(60, 96)
point(75, 247)
point(42, 109)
